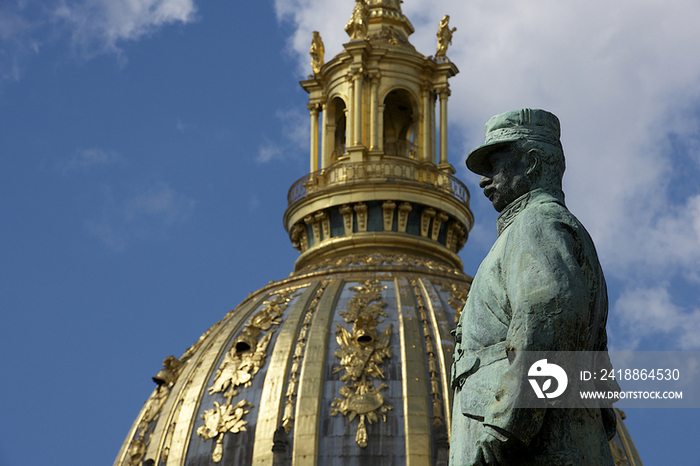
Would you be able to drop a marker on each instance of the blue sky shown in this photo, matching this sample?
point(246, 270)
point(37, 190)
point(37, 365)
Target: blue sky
point(147, 147)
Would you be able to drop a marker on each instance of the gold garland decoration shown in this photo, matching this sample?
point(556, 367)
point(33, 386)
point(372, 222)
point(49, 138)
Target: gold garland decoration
point(245, 357)
point(361, 354)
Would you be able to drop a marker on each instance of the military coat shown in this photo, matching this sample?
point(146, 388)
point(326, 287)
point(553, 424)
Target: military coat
point(539, 288)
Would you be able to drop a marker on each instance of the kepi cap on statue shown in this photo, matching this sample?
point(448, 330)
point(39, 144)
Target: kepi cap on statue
point(509, 127)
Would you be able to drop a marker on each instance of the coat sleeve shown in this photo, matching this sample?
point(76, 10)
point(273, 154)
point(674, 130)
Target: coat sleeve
point(548, 296)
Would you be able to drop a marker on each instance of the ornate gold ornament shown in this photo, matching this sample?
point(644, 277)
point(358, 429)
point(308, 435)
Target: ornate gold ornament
point(247, 353)
point(438, 416)
point(390, 35)
point(165, 379)
point(170, 372)
point(444, 36)
point(272, 310)
point(222, 419)
point(242, 361)
point(154, 404)
point(239, 368)
point(192, 349)
point(317, 50)
point(370, 260)
point(359, 21)
point(618, 454)
point(172, 368)
point(298, 356)
point(458, 296)
point(361, 355)
point(165, 452)
point(136, 452)
point(362, 400)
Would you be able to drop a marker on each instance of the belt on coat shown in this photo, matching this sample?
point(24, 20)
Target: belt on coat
point(467, 362)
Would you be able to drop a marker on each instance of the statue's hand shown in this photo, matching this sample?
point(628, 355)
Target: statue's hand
point(493, 449)
point(487, 453)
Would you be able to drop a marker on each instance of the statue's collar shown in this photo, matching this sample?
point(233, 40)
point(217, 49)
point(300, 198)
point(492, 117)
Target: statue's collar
point(538, 196)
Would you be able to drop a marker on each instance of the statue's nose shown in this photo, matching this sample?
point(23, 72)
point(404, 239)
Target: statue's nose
point(484, 181)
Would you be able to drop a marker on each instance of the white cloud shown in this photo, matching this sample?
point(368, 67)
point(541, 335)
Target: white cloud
point(295, 127)
point(327, 17)
point(17, 43)
point(253, 202)
point(268, 151)
point(184, 127)
point(650, 313)
point(161, 201)
point(97, 26)
point(85, 159)
point(145, 214)
point(666, 238)
point(295, 134)
point(626, 89)
point(94, 26)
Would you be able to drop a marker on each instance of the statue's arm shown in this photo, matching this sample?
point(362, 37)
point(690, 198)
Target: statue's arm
point(548, 297)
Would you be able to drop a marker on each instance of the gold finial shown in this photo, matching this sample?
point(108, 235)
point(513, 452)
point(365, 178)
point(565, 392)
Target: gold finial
point(444, 36)
point(316, 52)
point(359, 21)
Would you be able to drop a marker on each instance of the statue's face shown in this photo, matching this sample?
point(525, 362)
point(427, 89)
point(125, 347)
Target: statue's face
point(504, 178)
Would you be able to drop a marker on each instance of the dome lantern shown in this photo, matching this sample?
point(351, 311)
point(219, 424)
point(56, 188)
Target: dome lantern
point(380, 177)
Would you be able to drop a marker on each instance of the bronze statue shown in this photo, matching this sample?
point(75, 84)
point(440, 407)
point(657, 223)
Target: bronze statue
point(444, 36)
point(316, 52)
point(540, 288)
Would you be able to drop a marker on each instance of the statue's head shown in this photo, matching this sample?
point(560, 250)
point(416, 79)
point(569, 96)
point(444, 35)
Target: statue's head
point(522, 152)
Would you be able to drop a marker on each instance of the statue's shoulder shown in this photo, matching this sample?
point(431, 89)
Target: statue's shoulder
point(551, 219)
point(545, 211)
point(547, 214)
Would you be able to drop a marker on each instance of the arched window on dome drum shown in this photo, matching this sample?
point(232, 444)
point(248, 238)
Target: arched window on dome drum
point(336, 130)
point(399, 125)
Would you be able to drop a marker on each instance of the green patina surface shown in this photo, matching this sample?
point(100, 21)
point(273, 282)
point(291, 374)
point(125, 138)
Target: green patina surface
point(540, 288)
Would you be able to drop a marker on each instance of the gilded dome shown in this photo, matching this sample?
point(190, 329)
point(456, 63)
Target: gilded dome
point(346, 361)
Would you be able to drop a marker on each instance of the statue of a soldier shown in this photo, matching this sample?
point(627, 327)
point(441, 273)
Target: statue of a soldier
point(540, 288)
